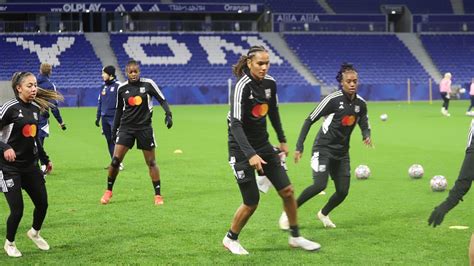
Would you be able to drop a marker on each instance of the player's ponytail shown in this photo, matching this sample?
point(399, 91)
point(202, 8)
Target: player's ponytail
point(238, 68)
point(44, 98)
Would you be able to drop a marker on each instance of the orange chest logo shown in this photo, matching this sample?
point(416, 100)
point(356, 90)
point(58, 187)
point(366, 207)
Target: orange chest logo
point(29, 130)
point(348, 120)
point(260, 110)
point(134, 100)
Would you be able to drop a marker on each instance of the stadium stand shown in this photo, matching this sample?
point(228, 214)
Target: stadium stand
point(71, 55)
point(451, 53)
point(373, 6)
point(194, 59)
point(304, 6)
point(379, 58)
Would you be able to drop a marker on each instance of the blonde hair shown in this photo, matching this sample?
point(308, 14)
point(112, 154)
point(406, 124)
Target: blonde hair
point(43, 98)
point(447, 75)
point(45, 69)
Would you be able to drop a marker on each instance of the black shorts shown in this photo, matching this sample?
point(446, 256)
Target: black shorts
point(145, 139)
point(274, 169)
point(11, 181)
point(324, 162)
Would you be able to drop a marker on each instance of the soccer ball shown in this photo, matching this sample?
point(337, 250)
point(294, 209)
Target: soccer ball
point(362, 172)
point(438, 183)
point(383, 117)
point(462, 90)
point(416, 171)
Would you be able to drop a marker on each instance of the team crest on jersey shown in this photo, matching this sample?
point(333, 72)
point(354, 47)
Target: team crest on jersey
point(142, 89)
point(357, 108)
point(35, 115)
point(112, 89)
point(268, 93)
point(104, 91)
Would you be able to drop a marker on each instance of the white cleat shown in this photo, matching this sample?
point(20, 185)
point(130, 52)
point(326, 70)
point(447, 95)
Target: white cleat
point(301, 242)
point(11, 249)
point(234, 246)
point(325, 220)
point(37, 239)
point(283, 222)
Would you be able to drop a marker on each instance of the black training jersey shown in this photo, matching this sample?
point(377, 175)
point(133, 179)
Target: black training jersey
point(470, 138)
point(340, 117)
point(19, 131)
point(135, 105)
point(250, 102)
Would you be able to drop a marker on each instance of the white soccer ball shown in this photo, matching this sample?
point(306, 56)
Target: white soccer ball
point(362, 172)
point(416, 171)
point(383, 117)
point(438, 183)
point(462, 90)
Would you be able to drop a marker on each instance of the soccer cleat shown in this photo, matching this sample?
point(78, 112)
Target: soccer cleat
point(106, 197)
point(234, 246)
point(283, 222)
point(326, 221)
point(158, 200)
point(121, 167)
point(37, 239)
point(301, 242)
point(11, 249)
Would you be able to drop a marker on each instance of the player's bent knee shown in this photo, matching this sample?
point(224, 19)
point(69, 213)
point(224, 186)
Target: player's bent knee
point(115, 162)
point(151, 163)
point(287, 191)
point(251, 207)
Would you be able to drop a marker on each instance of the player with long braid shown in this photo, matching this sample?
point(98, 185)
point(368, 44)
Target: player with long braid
point(252, 99)
point(341, 110)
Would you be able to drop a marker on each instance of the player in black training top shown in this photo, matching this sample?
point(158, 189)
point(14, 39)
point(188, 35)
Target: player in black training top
point(341, 110)
point(133, 122)
point(21, 149)
point(252, 99)
point(462, 185)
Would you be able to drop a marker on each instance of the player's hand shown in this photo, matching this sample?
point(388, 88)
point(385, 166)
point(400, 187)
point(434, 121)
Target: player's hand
point(284, 148)
point(63, 126)
point(437, 216)
point(169, 120)
point(49, 168)
point(9, 155)
point(256, 162)
point(298, 156)
point(97, 122)
point(368, 142)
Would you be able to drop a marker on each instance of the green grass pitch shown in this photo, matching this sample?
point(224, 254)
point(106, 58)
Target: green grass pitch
point(383, 220)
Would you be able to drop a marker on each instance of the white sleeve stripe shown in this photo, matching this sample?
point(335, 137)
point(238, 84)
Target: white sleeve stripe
point(323, 104)
point(239, 87)
point(123, 84)
point(6, 106)
point(157, 89)
point(361, 98)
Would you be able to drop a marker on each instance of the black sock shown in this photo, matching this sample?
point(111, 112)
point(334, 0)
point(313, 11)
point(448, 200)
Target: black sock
point(232, 235)
point(110, 183)
point(157, 186)
point(294, 231)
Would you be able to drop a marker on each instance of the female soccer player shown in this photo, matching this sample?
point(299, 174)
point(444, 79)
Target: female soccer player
point(45, 83)
point(445, 91)
point(106, 106)
point(133, 122)
point(330, 154)
point(461, 186)
point(21, 150)
point(253, 97)
point(471, 95)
